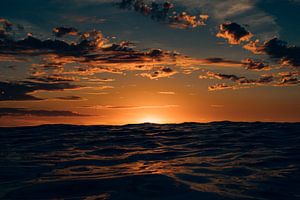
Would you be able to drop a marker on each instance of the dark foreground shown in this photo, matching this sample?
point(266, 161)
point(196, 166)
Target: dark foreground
point(183, 162)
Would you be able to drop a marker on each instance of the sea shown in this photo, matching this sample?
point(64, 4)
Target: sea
point(189, 161)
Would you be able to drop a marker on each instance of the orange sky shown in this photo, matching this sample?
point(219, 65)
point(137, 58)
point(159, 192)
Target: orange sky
point(112, 65)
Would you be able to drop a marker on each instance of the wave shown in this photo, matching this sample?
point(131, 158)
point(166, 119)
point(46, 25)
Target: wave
point(220, 160)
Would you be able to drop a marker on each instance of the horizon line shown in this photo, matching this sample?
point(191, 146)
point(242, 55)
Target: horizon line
point(147, 123)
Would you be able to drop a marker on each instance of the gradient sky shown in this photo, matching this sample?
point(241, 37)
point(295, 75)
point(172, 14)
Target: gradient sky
point(120, 62)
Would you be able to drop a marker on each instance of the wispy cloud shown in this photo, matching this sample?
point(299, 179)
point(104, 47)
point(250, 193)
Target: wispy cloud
point(241, 82)
point(38, 113)
point(122, 107)
point(167, 92)
point(70, 98)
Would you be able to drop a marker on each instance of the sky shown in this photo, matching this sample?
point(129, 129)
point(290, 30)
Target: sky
point(134, 61)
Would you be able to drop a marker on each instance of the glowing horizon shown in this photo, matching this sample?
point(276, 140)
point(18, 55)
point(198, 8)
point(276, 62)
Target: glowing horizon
point(108, 63)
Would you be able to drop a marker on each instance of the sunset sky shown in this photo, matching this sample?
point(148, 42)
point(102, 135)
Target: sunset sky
point(120, 62)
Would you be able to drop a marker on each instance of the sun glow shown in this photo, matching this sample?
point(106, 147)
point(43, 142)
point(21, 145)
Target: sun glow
point(150, 119)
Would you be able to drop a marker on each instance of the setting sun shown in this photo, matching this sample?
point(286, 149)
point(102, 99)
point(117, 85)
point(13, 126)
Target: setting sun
point(150, 119)
point(150, 99)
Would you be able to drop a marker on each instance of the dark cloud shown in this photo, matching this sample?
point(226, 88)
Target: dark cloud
point(250, 64)
point(52, 79)
point(92, 54)
point(221, 61)
point(70, 98)
point(279, 79)
point(61, 31)
point(222, 86)
point(289, 81)
point(265, 79)
point(164, 12)
point(231, 77)
point(277, 49)
point(289, 78)
point(89, 49)
point(38, 113)
point(5, 28)
point(35, 46)
point(83, 44)
point(226, 76)
point(240, 81)
point(6, 25)
point(159, 73)
point(22, 90)
point(15, 92)
point(129, 107)
point(234, 33)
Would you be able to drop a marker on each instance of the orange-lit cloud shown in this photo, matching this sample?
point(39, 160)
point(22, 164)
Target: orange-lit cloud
point(166, 92)
point(250, 64)
point(276, 49)
point(240, 82)
point(234, 33)
point(165, 12)
point(159, 73)
point(104, 107)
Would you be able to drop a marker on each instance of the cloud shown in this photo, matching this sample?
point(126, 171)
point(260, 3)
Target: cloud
point(85, 43)
point(165, 12)
point(52, 78)
point(240, 82)
point(70, 98)
point(254, 47)
point(222, 86)
point(239, 79)
point(184, 20)
point(247, 12)
point(166, 93)
point(221, 10)
point(6, 25)
point(217, 106)
point(231, 77)
point(234, 33)
point(61, 31)
point(5, 28)
point(38, 113)
point(22, 90)
point(104, 107)
point(288, 78)
point(15, 91)
point(89, 53)
point(250, 64)
point(34, 46)
point(11, 58)
point(161, 72)
point(221, 62)
point(97, 80)
point(277, 49)
point(288, 81)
